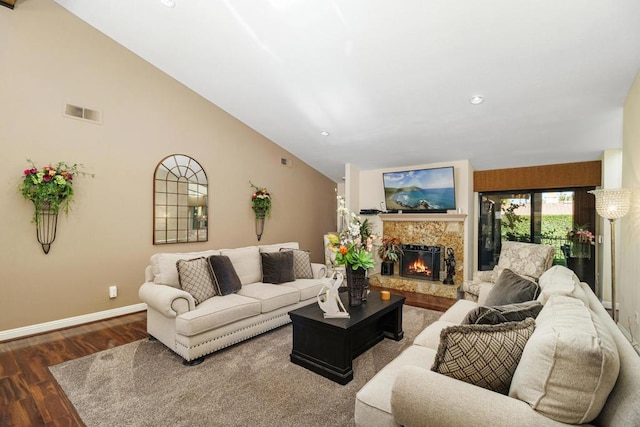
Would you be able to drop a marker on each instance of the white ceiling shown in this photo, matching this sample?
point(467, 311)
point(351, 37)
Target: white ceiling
point(391, 80)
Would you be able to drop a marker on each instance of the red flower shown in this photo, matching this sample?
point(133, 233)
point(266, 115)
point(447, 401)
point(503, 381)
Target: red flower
point(46, 178)
point(27, 171)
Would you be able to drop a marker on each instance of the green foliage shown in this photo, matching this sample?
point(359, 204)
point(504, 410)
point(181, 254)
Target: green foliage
point(50, 187)
point(553, 227)
point(261, 201)
point(390, 249)
point(355, 257)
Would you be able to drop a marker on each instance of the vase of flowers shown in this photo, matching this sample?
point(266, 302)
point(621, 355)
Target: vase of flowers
point(50, 188)
point(580, 241)
point(353, 246)
point(261, 205)
point(389, 251)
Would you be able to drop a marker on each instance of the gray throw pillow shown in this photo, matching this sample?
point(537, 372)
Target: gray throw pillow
point(301, 263)
point(224, 275)
point(195, 278)
point(483, 355)
point(511, 288)
point(277, 267)
point(483, 315)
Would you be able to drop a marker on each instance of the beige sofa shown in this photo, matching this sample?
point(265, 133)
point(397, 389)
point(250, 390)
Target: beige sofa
point(575, 356)
point(193, 331)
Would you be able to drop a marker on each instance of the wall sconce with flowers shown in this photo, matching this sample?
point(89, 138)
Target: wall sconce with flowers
point(261, 205)
point(50, 188)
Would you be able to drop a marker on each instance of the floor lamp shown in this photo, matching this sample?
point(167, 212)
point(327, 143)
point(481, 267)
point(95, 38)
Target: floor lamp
point(613, 203)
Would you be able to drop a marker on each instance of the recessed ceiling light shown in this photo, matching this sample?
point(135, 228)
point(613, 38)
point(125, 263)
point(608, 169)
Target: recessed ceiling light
point(324, 133)
point(476, 100)
point(168, 3)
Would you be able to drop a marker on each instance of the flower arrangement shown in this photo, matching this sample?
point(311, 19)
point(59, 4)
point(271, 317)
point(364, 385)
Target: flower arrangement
point(261, 201)
point(50, 187)
point(580, 234)
point(390, 249)
point(354, 244)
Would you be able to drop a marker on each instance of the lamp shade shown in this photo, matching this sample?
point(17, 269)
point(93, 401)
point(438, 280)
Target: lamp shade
point(612, 203)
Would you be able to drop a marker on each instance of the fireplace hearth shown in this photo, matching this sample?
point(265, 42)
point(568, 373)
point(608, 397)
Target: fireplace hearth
point(420, 262)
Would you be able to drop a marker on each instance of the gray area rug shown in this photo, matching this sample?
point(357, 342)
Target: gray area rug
point(250, 384)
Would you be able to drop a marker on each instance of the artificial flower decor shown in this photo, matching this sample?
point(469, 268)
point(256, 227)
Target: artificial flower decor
point(50, 187)
point(353, 245)
point(580, 234)
point(261, 201)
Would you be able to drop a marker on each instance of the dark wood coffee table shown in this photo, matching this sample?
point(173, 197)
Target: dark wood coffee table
point(328, 346)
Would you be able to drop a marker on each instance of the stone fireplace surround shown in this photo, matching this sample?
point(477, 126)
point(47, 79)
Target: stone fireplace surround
point(445, 230)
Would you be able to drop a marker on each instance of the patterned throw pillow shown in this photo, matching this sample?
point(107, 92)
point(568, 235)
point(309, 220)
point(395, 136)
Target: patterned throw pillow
point(483, 355)
point(483, 315)
point(194, 277)
point(301, 263)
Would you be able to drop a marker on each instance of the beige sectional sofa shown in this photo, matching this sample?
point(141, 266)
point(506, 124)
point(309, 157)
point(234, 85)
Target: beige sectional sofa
point(576, 368)
point(195, 330)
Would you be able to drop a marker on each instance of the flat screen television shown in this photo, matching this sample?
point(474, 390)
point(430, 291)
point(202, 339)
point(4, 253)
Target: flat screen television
point(420, 190)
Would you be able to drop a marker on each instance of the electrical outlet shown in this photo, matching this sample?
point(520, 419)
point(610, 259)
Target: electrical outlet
point(113, 291)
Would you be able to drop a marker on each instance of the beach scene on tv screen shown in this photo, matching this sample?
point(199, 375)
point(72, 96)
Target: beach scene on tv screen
point(426, 189)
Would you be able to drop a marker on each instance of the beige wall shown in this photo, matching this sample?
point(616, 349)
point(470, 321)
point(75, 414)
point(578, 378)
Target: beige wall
point(50, 58)
point(629, 272)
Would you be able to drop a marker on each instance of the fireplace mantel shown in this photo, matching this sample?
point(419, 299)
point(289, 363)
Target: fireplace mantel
point(422, 217)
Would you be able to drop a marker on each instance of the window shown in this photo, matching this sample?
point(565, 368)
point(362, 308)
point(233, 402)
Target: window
point(535, 216)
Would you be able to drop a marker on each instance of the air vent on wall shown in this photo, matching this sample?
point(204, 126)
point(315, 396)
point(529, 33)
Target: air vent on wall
point(82, 113)
point(286, 162)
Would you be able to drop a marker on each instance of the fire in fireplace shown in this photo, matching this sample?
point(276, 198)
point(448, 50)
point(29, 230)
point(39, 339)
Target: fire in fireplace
point(420, 262)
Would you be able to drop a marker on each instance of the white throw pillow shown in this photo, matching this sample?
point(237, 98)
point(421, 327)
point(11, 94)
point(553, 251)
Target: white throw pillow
point(569, 365)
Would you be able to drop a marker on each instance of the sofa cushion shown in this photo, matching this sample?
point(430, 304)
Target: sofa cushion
point(458, 311)
point(483, 315)
point(271, 297)
point(559, 280)
point(373, 401)
point(216, 312)
point(276, 247)
point(483, 355)
point(224, 275)
point(195, 278)
point(301, 263)
point(430, 336)
point(569, 365)
point(246, 261)
point(308, 288)
point(511, 288)
point(277, 267)
point(163, 265)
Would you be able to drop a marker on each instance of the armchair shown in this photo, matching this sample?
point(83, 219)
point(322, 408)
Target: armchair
point(526, 259)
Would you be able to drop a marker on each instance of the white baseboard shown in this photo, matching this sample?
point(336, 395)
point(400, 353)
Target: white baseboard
point(39, 328)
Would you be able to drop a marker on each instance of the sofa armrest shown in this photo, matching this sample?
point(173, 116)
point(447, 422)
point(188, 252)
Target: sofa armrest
point(319, 270)
point(169, 301)
point(421, 397)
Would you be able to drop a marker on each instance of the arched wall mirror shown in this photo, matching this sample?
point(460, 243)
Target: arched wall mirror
point(180, 202)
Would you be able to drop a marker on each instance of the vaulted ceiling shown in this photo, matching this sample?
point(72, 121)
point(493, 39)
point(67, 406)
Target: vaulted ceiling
point(390, 81)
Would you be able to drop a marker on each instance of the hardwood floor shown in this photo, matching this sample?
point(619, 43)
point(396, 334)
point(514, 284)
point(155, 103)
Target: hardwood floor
point(30, 396)
point(421, 300)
